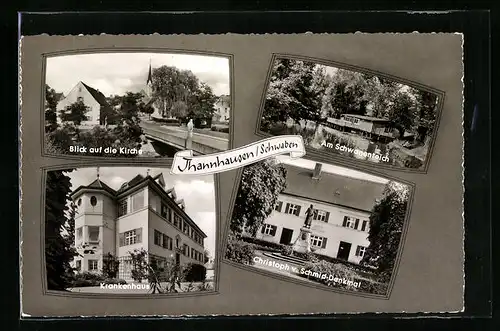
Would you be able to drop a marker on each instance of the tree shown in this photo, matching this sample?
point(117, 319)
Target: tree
point(140, 264)
point(51, 100)
point(58, 250)
point(179, 109)
point(75, 113)
point(295, 91)
point(110, 265)
point(202, 102)
point(426, 103)
point(402, 113)
point(170, 85)
point(261, 183)
point(386, 225)
point(206, 256)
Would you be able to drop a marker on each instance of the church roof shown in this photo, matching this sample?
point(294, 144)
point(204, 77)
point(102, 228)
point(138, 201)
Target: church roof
point(150, 75)
point(97, 95)
point(332, 188)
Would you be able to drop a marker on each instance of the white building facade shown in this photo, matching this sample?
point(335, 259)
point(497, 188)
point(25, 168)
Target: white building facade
point(142, 214)
point(342, 208)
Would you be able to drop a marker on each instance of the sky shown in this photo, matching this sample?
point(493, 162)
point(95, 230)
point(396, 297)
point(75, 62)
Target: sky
point(329, 168)
point(198, 192)
point(117, 73)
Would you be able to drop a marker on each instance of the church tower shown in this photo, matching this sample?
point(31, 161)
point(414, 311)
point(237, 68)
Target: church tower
point(149, 81)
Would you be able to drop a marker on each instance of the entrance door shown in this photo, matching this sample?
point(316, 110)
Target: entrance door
point(286, 236)
point(344, 250)
point(177, 258)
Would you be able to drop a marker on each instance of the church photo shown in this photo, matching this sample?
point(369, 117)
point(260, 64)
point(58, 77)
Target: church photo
point(127, 104)
point(318, 224)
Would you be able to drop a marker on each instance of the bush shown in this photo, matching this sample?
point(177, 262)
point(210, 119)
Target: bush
point(287, 250)
point(219, 129)
point(240, 251)
point(87, 279)
point(213, 128)
point(264, 245)
point(373, 287)
point(110, 266)
point(413, 162)
point(194, 272)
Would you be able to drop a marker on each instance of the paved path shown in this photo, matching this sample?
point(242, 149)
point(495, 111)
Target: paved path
point(162, 132)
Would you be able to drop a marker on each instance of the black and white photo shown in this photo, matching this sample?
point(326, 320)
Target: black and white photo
point(129, 230)
point(127, 104)
point(319, 224)
point(356, 115)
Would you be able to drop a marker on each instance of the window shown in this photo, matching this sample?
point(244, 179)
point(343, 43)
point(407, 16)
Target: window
point(317, 241)
point(93, 233)
point(78, 265)
point(158, 238)
point(360, 251)
point(192, 252)
point(79, 99)
point(130, 237)
point(185, 249)
point(363, 225)
point(177, 242)
point(122, 207)
point(92, 265)
point(177, 220)
point(185, 227)
point(79, 233)
point(279, 205)
point(269, 229)
point(167, 242)
point(292, 209)
point(321, 215)
point(387, 129)
point(137, 201)
point(79, 203)
point(93, 201)
point(165, 212)
point(350, 222)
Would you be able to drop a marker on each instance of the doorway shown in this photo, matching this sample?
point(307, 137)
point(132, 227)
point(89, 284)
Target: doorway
point(344, 250)
point(286, 236)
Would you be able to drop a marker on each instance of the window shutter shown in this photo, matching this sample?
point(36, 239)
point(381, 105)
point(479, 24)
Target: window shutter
point(357, 250)
point(327, 216)
point(165, 241)
point(363, 226)
point(345, 221)
point(121, 239)
point(297, 212)
point(323, 245)
point(273, 230)
point(315, 214)
point(287, 208)
point(356, 223)
point(263, 228)
point(280, 205)
point(138, 233)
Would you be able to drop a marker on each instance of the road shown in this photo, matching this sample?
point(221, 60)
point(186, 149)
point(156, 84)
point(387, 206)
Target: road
point(218, 143)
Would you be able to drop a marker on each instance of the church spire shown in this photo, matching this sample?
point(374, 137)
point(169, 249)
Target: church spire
point(150, 76)
point(97, 172)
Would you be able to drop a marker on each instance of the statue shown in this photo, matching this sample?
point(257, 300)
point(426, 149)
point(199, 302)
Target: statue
point(309, 215)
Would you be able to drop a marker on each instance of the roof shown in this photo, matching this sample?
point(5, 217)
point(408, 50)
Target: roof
point(98, 96)
point(95, 185)
point(332, 188)
point(368, 118)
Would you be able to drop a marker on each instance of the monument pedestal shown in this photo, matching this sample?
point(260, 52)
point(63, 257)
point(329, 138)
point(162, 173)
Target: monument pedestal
point(303, 243)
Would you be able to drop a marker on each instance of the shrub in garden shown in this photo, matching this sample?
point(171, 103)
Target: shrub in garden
point(264, 245)
point(239, 251)
point(194, 272)
point(287, 250)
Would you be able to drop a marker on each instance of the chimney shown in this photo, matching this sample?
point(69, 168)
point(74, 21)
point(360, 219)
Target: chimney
point(317, 171)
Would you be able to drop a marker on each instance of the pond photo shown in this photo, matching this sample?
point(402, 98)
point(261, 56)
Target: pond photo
point(352, 114)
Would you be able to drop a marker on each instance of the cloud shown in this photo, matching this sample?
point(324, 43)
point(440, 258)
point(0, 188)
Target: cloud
point(117, 73)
